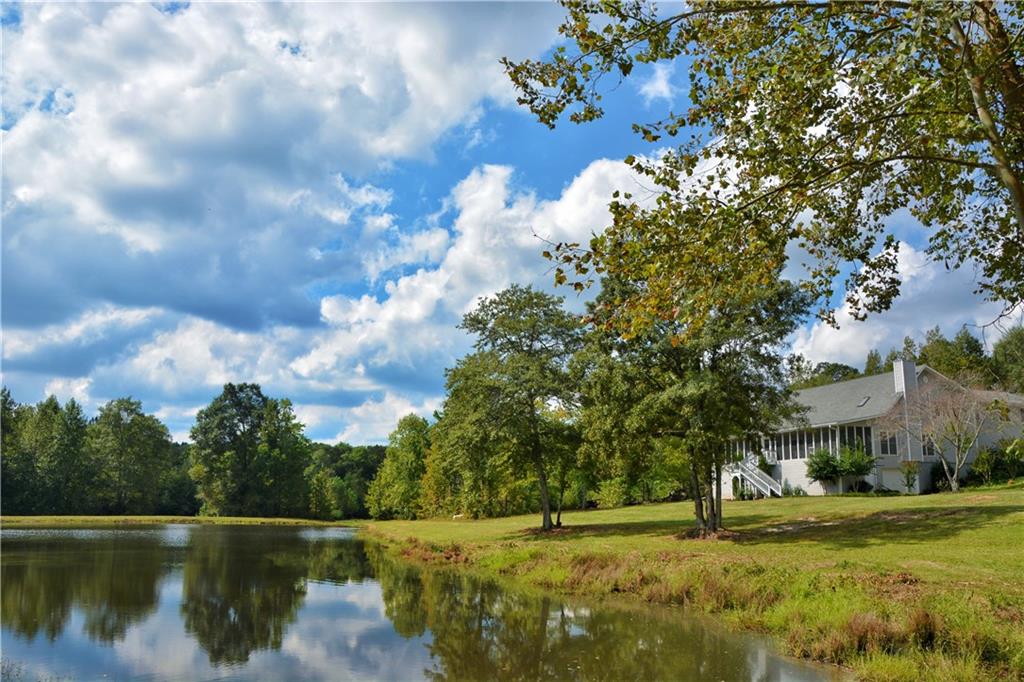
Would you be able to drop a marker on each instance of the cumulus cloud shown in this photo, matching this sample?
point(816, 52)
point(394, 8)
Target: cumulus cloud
point(203, 160)
point(378, 356)
point(659, 84)
point(930, 296)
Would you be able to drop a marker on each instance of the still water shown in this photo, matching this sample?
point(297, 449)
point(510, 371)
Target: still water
point(277, 603)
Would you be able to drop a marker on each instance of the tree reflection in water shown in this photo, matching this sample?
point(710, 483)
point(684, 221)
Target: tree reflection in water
point(481, 631)
point(112, 578)
point(242, 590)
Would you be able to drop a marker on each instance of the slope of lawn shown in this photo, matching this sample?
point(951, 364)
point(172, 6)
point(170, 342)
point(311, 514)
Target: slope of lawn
point(914, 587)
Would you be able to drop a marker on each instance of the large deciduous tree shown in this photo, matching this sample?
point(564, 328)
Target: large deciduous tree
point(249, 455)
point(809, 123)
point(696, 391)
point(530, 338)
point(395, 490)
point(132, 450)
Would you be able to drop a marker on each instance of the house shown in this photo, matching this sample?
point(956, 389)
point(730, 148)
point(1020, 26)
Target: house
point(875, 413)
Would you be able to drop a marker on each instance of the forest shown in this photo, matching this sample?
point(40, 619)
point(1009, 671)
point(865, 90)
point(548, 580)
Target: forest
point(550, 411)
point(248, 457)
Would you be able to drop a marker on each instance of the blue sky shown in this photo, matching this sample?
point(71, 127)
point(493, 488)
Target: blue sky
point(309, 197)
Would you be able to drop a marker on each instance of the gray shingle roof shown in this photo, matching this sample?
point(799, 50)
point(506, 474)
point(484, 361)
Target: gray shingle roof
point(844, 401)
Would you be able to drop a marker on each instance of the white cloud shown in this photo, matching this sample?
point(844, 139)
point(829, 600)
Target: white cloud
point(659, 85)
point(66, 389)
point(374, 419)
point(930, 296)
point(90, 326)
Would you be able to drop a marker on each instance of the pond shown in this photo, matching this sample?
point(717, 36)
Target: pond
point(190, 602)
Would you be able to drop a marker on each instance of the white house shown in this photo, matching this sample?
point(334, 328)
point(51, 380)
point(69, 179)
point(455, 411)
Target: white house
point(860, 412)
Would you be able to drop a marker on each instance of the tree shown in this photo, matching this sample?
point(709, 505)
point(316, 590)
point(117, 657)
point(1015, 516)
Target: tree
point(824, 373)
point(469, 468)
point(697, 391)
point(963, 355)
point(1008, 359)
point(395, 490)
point(18, 478)
point(132, 450)
point(873, 364)
point(880, 106)
point(249, 455)
point(947, 416)
point(531, 338)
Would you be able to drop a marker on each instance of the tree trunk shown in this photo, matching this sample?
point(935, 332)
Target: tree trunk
point(1003, 167)
point(698, 502)
point(1011, 83)
point(718, 493)
point(545, 498)
point(712, 507)
point(561, 494)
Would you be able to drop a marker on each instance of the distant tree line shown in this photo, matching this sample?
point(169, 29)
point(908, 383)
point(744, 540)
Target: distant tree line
point(961, 358)
point(249, 457)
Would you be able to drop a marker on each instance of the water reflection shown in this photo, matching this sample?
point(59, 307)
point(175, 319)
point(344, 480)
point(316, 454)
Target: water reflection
point(253, 602)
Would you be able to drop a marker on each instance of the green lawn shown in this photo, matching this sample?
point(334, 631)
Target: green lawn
point(893, 587)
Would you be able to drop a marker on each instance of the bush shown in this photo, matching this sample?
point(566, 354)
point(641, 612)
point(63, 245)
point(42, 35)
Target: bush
point(787, 489)
point(613, 492)
point(799, 492)
point(909, 472)
point(823, 467)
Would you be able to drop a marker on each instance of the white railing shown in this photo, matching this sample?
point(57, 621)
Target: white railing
point(748, 470)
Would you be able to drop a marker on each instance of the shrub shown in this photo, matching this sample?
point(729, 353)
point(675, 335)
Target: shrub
point(787, 489)
point(855, 462)
point(823, 467)
point(613, 492)
point(909, 472)
point(799, 492)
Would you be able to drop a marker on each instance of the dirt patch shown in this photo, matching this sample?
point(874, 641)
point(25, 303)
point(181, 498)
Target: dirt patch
point(902, 587)
point(696, 534)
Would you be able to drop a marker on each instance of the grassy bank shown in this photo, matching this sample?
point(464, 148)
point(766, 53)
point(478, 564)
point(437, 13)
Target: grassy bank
point(897, 588)
point(11, 521)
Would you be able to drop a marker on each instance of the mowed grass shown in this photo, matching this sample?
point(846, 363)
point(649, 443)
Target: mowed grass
point(914, 587)
point(13, 521)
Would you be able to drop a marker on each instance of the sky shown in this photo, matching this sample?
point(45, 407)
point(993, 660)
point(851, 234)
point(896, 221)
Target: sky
point(310, 197)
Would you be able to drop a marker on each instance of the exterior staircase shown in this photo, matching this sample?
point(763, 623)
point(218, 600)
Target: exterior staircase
point(748, 471)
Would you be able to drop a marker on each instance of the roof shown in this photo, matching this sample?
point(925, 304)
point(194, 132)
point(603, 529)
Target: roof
point(851, 400)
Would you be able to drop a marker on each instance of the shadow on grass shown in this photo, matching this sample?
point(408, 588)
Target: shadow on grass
point(925, 524)
point(906, 526)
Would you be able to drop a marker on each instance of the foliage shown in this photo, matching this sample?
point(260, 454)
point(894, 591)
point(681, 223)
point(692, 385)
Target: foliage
point(880, 107)
point(249, 455)
point(822, 374)
point(1008, 360)
point(395, 490)
point(132, 449)
point(690, 394)
point(529, 339)
point(823, 467)
point(909, 471)
point(612, 492)
point(469, 468)
point(855, 462)
point(964, 354)
point(873, 364)
point(999, 463)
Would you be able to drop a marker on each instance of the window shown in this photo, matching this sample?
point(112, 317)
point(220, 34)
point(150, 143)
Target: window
point(929, 447)
point(887, 444)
